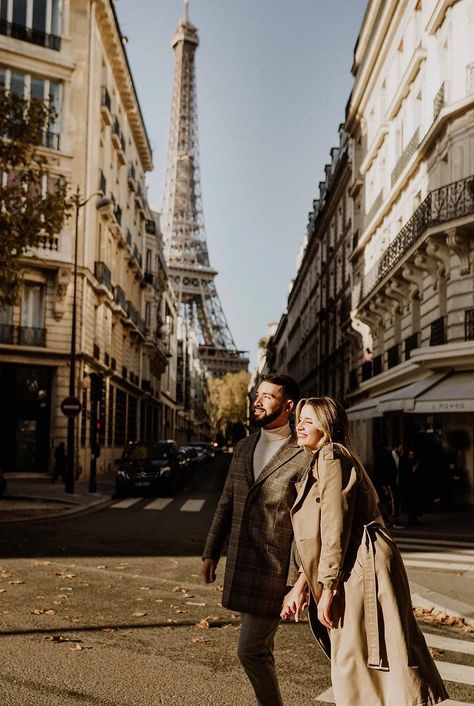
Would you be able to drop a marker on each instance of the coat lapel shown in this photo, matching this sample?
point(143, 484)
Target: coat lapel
point(302, 484)
point(248, 471)
point(289, 449)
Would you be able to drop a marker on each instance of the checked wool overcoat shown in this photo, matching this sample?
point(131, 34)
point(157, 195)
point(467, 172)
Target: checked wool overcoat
point(253, 520)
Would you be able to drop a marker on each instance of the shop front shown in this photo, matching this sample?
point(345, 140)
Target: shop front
point(435, 418)
point(25, 417)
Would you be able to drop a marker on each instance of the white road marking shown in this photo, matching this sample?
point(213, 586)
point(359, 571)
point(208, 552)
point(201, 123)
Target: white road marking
point(437, 542)
point(439, 556)
point(446, 566)
point(449, 643)
point(456, 672)
point(158, 504)
point(128, 502)
point(328, 697)
point(192, 505)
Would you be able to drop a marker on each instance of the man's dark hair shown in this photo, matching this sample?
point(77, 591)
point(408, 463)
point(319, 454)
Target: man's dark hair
point(289, 386)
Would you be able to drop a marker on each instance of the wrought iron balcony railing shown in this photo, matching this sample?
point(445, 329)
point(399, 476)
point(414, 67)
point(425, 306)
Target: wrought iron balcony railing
point(103, 274)
point(119, 296)
point(469, 325)
point(440, 206)
point(31, 336)
point(26, 34)
point(406, 155)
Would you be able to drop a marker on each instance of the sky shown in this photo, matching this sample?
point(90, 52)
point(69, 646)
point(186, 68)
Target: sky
point(273, 79)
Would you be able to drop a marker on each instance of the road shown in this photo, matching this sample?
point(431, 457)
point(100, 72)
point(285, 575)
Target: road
point(108, 609)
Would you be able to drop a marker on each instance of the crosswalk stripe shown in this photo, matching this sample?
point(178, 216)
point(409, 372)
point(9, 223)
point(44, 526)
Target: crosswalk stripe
point(456, 672)
point(447, 566)
point(449, 643)
point(128, 502)
point(158, 504)
point(192, 505)
point(328, 697)
point(448, 556)
point(437, 542)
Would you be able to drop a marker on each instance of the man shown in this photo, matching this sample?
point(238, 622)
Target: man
point(253, 516)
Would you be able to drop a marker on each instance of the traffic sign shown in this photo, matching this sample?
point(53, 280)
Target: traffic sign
point(71, 406)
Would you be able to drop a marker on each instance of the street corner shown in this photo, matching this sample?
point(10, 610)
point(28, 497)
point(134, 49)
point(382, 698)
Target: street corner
point(30, 509)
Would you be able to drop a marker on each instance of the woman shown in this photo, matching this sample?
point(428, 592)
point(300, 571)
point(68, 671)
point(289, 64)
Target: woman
point(354, 570)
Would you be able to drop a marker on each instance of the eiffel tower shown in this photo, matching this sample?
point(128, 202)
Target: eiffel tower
point(185, 244)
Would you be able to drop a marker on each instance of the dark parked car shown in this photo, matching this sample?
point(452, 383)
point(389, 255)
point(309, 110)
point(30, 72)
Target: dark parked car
point(153, 466)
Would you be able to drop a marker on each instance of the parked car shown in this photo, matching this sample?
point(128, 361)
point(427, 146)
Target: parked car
point(206, 446)
point(192, 454)
point(200, 450)
point(154, 466)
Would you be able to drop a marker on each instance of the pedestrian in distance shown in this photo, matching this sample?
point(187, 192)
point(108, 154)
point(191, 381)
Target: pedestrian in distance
point(253, 520)
point(59, 470)
point(355, 573)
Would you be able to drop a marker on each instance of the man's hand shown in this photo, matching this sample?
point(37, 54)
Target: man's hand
point(209, 570)
point(295, 600)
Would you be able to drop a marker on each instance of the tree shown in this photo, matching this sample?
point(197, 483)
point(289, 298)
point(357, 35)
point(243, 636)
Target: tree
point(227, 401)
point(33, 202)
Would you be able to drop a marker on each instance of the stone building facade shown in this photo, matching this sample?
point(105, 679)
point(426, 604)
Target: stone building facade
point(125, 373)
point(312, 342)
point(411, 122)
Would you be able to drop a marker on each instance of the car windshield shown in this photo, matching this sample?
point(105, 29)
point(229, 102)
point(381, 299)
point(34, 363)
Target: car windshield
point(156, 452)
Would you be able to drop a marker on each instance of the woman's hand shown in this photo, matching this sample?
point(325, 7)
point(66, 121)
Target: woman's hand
point(295, 600)
point(324, 608)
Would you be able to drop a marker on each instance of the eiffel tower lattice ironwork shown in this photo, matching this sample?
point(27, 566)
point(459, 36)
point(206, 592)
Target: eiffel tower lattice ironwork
point(183, 225)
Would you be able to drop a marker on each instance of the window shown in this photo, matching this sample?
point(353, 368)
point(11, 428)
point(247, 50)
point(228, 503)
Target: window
point(32, 306)
point(35, 21)
point(41, 88)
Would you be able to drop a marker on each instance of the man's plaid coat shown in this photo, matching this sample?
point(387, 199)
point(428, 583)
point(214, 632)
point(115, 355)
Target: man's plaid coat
point(253, 518)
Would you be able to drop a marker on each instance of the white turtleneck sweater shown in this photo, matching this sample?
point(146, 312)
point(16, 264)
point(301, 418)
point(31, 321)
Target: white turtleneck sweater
point(271, 440)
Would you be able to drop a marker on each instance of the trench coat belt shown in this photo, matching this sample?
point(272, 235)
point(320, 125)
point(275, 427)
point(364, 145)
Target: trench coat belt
point(374, 660)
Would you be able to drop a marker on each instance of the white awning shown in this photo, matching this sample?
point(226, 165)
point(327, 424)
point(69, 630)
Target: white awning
point(455, 393)
point(366, 409)
point(404, 399)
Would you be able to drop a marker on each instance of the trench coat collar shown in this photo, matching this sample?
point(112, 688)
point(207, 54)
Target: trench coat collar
point(289, 449)
point(301, 485)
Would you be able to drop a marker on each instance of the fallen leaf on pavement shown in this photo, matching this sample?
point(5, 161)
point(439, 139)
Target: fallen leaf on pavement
point(16, 583)
point(101, 566)
point(199, 640)
point(211, 621)
point(42, 611)
point(60, 638)
point(194, 603)
point(145, 588)
point(137, 614)
point(219, 588)
point(180, 589)
point(64, 575)
point(2, 590)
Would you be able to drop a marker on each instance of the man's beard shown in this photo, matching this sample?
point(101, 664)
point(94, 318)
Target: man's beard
point(266, 418)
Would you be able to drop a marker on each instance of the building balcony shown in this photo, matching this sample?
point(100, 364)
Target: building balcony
point(119, 296)
point(103, 274)
point(106, 106)
point(405, 157)
point(31, 336)
point(51, 140)
point(440, 207)
point(6, 333)
point(118, 141)
point(132, 178)
point(26, 34)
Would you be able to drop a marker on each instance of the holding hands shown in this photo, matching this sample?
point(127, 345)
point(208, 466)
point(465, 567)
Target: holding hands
point(295, 600)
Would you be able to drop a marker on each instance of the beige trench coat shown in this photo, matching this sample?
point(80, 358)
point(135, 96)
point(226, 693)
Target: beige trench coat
point(379, 656)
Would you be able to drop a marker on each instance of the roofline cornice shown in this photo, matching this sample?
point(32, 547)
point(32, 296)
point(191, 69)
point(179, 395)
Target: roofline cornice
point(109, 27)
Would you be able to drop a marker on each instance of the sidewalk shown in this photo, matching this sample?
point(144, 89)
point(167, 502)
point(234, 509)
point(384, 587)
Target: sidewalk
point(32, 497)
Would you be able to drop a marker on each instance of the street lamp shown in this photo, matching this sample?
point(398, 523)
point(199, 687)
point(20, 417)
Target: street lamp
point(71, 438)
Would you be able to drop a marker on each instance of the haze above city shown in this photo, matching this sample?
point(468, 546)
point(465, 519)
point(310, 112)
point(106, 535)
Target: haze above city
point(273, 80)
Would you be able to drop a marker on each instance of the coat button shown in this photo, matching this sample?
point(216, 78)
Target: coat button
point(318, 500)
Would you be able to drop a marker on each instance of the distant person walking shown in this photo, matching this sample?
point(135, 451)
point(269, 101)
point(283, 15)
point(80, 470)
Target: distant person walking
point(59, 470)
point(253, 517)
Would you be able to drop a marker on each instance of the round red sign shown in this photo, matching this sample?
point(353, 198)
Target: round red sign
point(70, 406)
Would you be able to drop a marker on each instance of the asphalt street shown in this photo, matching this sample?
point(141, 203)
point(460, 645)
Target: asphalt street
point(108, 609)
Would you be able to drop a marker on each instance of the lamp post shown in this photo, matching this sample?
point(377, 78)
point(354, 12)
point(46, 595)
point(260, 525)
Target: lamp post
point(71, 437)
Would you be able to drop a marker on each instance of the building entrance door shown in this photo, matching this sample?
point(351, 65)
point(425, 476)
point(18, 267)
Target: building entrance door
point(25, 417)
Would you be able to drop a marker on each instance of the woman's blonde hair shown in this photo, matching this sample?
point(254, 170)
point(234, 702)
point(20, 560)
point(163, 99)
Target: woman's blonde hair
point(334, 423)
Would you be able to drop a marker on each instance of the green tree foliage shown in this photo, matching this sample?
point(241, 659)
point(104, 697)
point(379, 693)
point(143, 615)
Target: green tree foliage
point(33, 204)
point(227, 401)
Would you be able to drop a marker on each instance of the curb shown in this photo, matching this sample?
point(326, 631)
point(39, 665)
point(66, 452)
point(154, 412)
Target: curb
point(76, 510)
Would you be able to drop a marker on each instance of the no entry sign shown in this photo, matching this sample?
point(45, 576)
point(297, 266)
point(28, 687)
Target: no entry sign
point(70, 406)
